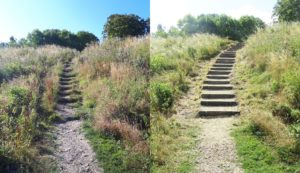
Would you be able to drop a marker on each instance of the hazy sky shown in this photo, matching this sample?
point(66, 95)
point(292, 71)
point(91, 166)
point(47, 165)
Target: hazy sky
point(168, 12)
point(18, 17)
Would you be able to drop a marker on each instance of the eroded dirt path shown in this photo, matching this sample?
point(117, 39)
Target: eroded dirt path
point(73, 154)
point(217, 148)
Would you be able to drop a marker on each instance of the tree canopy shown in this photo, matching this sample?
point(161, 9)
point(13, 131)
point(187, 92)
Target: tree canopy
point(122, 25)
point(287, 10)
point(61, 37)
point(221, 25)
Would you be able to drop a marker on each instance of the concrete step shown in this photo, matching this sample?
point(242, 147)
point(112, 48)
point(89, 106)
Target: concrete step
point(217, 87)
point(217, 72)
point(218, 110)
point(217, 76)
point(223, 65)
point(216, 82)
point(225, 61)
point(225, 54)
point(221, 68)
point(218, 96)
point(220, 102)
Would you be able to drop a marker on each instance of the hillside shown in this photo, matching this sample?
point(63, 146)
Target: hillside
point(268, 81)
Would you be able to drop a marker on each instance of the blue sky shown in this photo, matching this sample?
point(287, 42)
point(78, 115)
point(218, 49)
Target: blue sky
point(19, 17)
point(168, 12)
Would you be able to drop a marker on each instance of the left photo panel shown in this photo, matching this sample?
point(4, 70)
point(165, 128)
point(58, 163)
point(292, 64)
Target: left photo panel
point(74, 86)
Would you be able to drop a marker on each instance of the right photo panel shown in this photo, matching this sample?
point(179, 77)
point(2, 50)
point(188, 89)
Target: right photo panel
point(225, 86)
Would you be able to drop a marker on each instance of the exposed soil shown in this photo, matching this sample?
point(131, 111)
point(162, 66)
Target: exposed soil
point(73, 154)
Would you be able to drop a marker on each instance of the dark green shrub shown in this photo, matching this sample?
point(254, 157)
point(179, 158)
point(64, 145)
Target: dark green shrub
point(161, 96)
point(284, 112)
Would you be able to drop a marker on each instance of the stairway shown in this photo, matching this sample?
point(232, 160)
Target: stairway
point(68, 95)
point(218, 96)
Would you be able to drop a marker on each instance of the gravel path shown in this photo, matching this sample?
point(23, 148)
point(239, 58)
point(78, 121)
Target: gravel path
point(218, 153)
point(74, 153)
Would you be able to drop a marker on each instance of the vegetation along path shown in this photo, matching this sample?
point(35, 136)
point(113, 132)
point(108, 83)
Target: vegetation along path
point(218, 104)
point(74, 154)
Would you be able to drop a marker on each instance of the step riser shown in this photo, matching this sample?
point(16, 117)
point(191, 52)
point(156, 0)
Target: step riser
point(223, 61)
point(217, 103)
point(217, 88)
point(217, 77)
point(218, 113)
point(216, 82)
point(218, 73)
point(223, 65)
point(226, 69)
point(65, 87)
point(217, 96)
point(227, 55)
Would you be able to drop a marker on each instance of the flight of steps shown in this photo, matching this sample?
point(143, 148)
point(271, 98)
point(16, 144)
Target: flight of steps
point(68, 95)
point(218, 96)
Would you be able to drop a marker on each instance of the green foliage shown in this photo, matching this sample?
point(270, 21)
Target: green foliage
point(221, 25)
point(161, 96)
point(257, 156)
point(160, 63)
point(114, 158)
point(61, 37)
point(287, 10)
point(119, 25)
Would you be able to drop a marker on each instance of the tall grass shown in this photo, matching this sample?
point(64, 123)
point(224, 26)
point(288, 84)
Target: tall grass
point(26, 97)
point(113, 79)
point(269, 71)
point(172, 60)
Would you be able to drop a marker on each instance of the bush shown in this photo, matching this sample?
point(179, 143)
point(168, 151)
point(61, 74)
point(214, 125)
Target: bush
point(161, 96)
point(160, 63)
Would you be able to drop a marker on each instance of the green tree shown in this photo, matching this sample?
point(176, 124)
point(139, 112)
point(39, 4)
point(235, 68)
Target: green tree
point(250, 24)
point(12, 42)
point(119, 25)
point(287, 10)
point(188, 25)
point(36, 38)
point(85, 38)
point(160, 32)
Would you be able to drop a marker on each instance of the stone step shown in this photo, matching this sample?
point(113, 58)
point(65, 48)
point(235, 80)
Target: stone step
point(217, 77)
point(215, 72)
point(221, 68)
point(67, 70)
point(217, 87)
point(65, 87)
point(216, 82)
point(68, 99)
point(221, 102)
point(67, 75)
point(218, 110)
point(222, 65)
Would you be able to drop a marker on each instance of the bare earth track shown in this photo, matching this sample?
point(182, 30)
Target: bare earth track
point(73, 154)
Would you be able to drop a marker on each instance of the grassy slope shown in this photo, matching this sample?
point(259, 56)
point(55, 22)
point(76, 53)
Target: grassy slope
point(172, 60)
point(27, 97)
point(113, 81)
point(268, 78)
